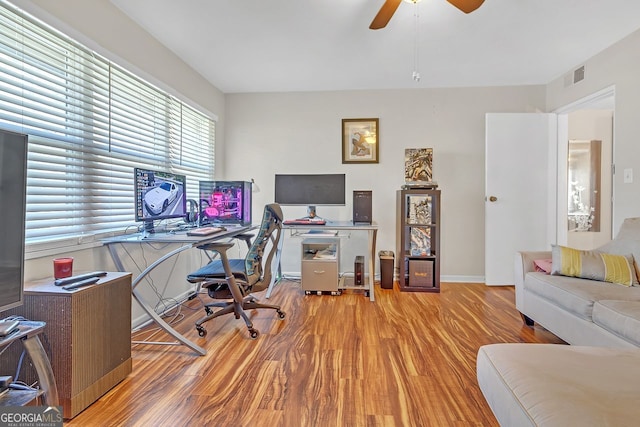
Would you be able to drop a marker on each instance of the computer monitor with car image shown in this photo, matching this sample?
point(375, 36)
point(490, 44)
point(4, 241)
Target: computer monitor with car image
point(159, 195)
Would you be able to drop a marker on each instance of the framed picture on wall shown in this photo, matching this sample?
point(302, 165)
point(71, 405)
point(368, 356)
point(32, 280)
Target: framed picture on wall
point(360, 141)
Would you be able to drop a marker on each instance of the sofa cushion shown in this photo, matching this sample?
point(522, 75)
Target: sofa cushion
point(577, 295)
point(627, 241)
point(621, 318)
point(559, 385)
point(593, 265)
point(629, 230)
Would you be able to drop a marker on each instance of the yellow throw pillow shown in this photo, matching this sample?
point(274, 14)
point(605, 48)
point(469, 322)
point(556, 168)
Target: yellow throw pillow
point(593, 265)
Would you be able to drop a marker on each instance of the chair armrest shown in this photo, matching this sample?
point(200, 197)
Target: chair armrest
point(216, 246)
point(246, 237)
point(523, 265)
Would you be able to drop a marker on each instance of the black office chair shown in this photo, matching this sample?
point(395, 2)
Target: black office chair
point(235, 279)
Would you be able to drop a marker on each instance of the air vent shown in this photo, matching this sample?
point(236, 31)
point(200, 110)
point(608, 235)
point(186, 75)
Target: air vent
point(578, 75)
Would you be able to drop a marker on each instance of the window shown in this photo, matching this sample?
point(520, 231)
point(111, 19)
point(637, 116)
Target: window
point(89, 123)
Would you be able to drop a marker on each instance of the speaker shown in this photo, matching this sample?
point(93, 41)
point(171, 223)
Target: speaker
point(358, 268)
point(362, 206)
point(192, 213)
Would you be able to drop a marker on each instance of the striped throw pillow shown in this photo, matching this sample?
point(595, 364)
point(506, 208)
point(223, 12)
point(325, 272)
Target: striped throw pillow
point(593, 265)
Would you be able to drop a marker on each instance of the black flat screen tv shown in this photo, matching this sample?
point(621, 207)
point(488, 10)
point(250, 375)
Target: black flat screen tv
point(13, 186)
point(310, 190)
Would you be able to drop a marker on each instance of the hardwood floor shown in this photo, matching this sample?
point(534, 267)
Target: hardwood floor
point(407, 359)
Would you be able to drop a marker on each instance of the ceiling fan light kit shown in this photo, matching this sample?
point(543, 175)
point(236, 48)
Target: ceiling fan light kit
point(389, 8)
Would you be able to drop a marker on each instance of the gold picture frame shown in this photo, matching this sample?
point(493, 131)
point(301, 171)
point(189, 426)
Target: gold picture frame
point(360, 140)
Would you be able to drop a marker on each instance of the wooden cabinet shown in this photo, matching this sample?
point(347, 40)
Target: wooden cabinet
point(418, 239)
point(87, 336)
point(320, 265)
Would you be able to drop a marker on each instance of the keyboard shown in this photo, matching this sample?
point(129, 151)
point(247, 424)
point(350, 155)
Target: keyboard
point(205, 231)
point(304, 222)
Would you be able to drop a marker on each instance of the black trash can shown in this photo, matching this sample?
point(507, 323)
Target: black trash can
point(386, 269)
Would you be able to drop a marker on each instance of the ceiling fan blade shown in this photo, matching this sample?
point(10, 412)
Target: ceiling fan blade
point(384, 14)
point(467, 6)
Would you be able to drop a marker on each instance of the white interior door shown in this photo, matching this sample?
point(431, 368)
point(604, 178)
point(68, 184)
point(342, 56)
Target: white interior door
point(520, 189)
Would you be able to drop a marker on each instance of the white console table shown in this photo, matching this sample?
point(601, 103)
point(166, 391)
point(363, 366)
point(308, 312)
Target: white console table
point(342, 229)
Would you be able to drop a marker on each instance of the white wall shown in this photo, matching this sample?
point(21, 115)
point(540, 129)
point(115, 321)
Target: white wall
point(618, 66)
point(301, 133)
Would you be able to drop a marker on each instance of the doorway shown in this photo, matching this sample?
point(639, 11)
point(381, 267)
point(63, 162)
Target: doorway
point(585, 125)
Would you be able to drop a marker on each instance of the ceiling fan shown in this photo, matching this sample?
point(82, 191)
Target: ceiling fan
point(389, 8)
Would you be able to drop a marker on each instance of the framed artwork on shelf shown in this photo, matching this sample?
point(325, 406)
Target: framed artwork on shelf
point(418, 209)
point(420, 244)
point(418, 165)
point(360, 141)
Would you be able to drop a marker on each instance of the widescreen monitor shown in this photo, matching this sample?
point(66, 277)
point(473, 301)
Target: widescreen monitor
point(225, 202)
point(159, 195)
point(13, 178)
point(310, 190)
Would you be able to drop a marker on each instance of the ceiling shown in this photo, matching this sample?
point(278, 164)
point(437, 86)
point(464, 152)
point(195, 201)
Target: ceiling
point(318, 45)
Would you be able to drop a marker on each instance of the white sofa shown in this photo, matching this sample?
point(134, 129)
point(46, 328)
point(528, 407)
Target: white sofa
point(554, 385)
point(593, 382)
point(582, 311)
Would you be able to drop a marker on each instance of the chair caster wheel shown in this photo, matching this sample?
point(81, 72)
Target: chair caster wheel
point(253, 333)
point(201, 331)
point(281, 314)
point(208, 311)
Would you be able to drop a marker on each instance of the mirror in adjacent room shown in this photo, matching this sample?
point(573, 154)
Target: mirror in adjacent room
point(584, 182)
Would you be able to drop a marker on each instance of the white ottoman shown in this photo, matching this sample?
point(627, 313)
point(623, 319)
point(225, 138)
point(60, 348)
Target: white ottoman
point(560, 385)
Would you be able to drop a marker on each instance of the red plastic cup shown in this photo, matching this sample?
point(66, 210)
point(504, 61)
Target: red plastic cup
point(62, 267)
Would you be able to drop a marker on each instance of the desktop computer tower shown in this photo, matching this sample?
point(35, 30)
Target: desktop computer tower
point(358, 269)
point(362, 200)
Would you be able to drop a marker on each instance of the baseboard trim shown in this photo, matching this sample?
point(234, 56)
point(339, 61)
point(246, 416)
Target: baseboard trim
point(448, 279)
point(462, 279)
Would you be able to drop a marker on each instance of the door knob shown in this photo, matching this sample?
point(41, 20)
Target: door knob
point(493, 199)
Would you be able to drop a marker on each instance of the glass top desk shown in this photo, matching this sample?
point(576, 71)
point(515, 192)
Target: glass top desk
point(186, 242)
point(301, 230)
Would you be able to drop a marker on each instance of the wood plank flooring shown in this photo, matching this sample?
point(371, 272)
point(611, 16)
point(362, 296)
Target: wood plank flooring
point(407, 359)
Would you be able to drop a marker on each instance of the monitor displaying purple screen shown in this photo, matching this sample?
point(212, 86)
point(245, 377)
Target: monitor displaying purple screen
point(159, 195)
point(227, 202)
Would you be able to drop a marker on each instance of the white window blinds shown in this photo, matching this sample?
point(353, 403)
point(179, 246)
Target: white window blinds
point(89, 123)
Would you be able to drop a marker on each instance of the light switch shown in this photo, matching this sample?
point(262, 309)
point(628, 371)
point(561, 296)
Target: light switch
point(628, 176)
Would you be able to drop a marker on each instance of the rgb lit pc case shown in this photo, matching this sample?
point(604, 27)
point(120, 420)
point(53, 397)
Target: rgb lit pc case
point(225, 202)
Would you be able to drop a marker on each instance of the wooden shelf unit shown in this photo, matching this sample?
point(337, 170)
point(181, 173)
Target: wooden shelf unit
point(418, 239)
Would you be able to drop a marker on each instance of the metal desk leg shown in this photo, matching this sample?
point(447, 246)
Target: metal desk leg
point(38, 356)
point(372, 262)
point(148, 309)
point(164, 325)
